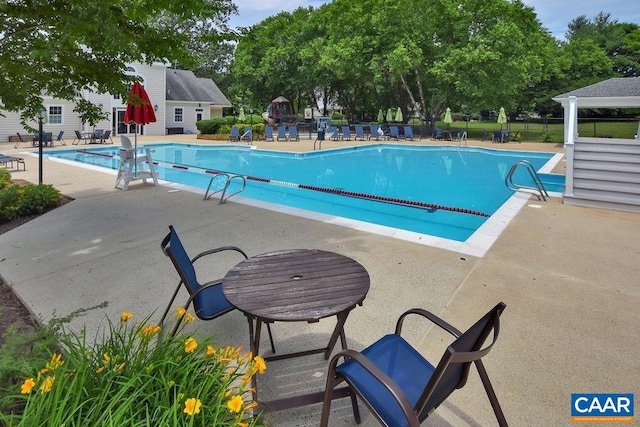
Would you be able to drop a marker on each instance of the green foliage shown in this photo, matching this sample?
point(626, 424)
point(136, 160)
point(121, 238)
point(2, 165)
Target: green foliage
point(60, 48)
point(26, 199)
point(5, 178)
point(131, 376)
point(89, 113)
point(210, 126)
point(230, 120)
point(258, 128)
point(415, 121)
point(224, 130)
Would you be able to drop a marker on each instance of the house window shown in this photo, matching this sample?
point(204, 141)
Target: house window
point(55, 114)
point(178, 115)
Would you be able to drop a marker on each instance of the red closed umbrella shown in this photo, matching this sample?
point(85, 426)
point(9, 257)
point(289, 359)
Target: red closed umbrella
point(139, 111)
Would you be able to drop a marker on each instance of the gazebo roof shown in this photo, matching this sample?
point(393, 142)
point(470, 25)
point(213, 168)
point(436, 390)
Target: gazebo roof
point(618, 92)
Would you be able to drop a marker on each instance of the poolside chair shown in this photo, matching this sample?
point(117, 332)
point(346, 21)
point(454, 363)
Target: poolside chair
point(453, 134)
point(497, 136)
point(437, 134)
point(282, 133)
point(408, 132)
point(207, 298)
point(346, 133)
point(333, 133)
point(360, 133)
point(293, 133)
point(485, 135)
point(393, 133)
point(19, 141)
point(59, 138)
point(247, 135)
point(399, 386)
point(6, 160)
point(79, 137)
point(106, 135)
point(234, 135)
point(268, 133)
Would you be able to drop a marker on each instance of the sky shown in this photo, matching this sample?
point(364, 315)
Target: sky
point(555, 15)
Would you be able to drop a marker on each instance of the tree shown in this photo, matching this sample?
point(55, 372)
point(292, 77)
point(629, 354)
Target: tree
point(62, 47)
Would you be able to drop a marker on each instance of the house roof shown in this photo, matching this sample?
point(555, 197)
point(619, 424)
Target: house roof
point(617, 92)
point(183, 85)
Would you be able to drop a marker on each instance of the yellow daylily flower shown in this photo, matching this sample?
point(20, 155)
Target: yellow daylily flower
point(260, 364)
point(211, 350)
point(235, 403)
point(47, 384)
point(192, 406)
point(180, 312)
point(27, 386)
point(190, 345)
point(125, 316)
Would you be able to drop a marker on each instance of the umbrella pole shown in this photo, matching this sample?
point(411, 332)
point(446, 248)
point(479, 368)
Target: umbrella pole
point(135, 153)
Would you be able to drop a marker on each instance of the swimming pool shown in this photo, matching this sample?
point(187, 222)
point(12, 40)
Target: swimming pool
point(466, 185)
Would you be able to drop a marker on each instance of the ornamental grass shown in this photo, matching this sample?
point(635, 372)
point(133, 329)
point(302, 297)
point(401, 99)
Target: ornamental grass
point(133, 376)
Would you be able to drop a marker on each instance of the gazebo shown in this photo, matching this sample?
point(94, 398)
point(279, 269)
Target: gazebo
point(279, 111)
point(601, 172)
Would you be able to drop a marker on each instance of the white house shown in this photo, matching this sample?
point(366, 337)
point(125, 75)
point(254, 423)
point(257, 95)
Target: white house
point(178, 96)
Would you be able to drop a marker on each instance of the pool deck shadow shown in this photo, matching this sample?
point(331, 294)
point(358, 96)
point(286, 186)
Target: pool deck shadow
point(568, 275)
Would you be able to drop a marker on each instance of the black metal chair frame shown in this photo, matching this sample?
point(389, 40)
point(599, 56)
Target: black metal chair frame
point(416, 415)
point(166, 249)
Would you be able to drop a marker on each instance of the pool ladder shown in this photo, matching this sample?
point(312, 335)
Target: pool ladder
point(539, 191)
point(228, 178)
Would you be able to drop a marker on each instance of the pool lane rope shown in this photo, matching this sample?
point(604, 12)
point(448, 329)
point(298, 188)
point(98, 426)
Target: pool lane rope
point(336, 191)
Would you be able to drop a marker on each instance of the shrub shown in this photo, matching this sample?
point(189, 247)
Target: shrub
point(258, 128)
point(336, 116)
point(230, 120)
point(5, 178)
point(132, 376)
point(27, 199)
point(416, 121)
point(224, 129)
point(210, 126)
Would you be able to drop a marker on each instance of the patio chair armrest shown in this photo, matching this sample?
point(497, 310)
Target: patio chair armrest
point(220, 249)
point(389, 384)
point(430, 316)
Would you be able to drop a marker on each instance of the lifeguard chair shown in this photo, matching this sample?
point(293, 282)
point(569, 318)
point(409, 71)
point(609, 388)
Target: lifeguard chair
point(134, 166)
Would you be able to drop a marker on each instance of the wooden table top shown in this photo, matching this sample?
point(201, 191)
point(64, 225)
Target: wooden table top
point(296, 285)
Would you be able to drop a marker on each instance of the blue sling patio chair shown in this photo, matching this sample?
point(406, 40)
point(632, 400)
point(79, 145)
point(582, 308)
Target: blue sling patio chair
point(247, 135)
point(393, 132)
point(408, 132)
point(282, 133)
point(208, 300)
point(437, 134)
point(399, 386)
point(268, 133)
point(59, 138)
point(293, 133)
point(346, 133)
point(234, 135)
point(360, 133)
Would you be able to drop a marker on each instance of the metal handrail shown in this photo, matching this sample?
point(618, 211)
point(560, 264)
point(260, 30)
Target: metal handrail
point(539, 191)
point(229, 178)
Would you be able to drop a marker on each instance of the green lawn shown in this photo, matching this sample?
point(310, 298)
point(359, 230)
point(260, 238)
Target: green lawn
point(535, 132)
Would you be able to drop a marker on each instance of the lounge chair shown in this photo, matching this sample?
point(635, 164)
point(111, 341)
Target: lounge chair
point(268, 133)
point(334, 134)
point(234, 135)
point(485, 135)
point(247, 135)
point(59, 138)
point(399, 386)
point(437, 134)
point(360, 133)
point(79, 137)
point(293, 133)
point(497, 136)
point(6, 160)
point(453, 135)
point(208, 300)
point(106, 135)
point(346, 133)
point(408, 132)
point(20, 141)
point(282, 133)
point(393, 133)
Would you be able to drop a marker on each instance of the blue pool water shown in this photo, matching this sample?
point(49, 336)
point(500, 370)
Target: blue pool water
point(469, 179)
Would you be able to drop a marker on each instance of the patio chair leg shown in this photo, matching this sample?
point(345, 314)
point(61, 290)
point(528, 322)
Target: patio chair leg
point(273, 348)
point(491, 394)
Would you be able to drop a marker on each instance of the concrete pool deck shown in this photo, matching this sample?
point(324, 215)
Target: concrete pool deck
point(569, 276)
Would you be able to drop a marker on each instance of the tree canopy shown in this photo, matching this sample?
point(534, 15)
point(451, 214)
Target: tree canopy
point(422, 56)
point(63, 47)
